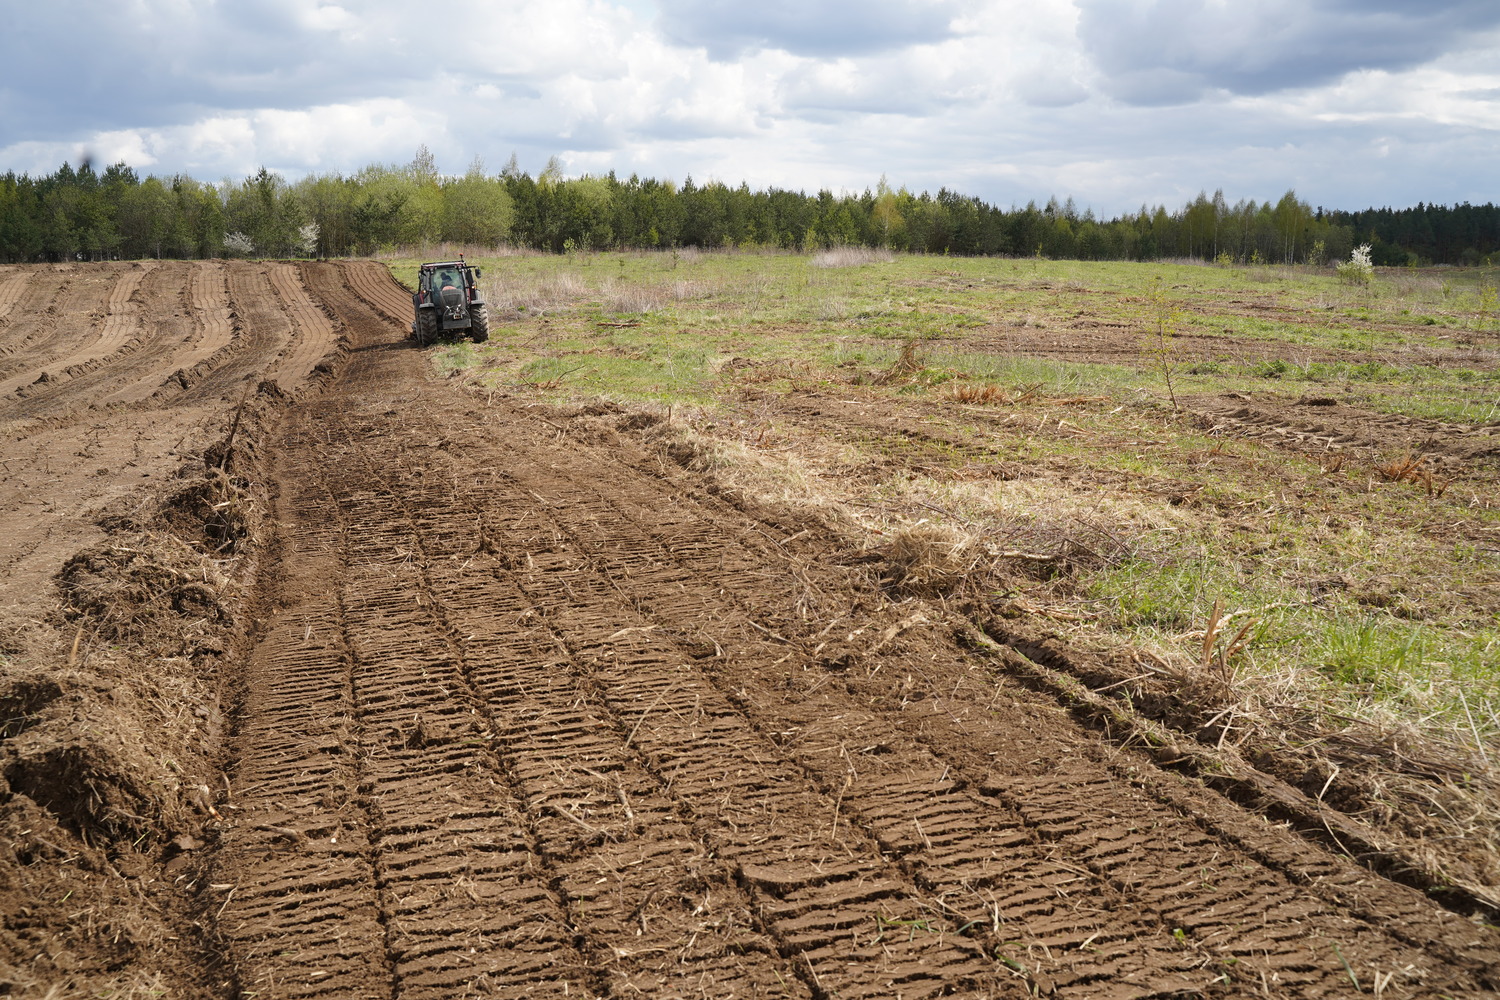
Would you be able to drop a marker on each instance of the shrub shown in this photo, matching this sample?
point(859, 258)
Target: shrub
point(1358, 269)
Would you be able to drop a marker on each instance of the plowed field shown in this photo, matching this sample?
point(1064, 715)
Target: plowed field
point(474, 698)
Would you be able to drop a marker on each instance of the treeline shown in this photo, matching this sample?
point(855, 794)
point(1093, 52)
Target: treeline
point(1464, 234)
point(80, 214)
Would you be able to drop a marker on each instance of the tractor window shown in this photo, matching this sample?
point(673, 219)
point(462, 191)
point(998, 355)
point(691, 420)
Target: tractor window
point(446, 278)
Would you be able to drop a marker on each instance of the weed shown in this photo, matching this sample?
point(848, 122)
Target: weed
point(1218, 655)
point(1484, 315)
point(1162, 327)
point(1412, 469)
point(989, 394)
point(909, 363)
point(1409, 467)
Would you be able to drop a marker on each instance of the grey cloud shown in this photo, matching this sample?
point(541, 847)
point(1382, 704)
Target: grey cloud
point(111, 65)
point(726, 28)
point(1172, 51)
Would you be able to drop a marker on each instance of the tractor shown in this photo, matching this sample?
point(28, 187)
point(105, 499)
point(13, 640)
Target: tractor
point(447, 299)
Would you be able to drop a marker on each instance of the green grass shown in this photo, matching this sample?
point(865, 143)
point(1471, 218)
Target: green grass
point(692, 312)
point(1371, 653)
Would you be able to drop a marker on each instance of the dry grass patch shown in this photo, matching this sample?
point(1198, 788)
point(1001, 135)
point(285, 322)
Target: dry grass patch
point(514, 297)
point(1412, 468)
point(632, 299)
point(851, 257)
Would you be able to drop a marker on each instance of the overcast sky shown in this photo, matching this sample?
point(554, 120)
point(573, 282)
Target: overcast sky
point(1113, 102)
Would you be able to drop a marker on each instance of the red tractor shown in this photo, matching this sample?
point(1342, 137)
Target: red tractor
point(447, 299)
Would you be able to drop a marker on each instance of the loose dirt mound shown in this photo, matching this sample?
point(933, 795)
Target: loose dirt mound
point(525, 709)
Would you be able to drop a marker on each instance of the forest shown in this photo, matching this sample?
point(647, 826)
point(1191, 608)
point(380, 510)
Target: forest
point(81, 214)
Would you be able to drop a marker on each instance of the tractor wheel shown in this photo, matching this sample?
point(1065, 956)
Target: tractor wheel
point(426, 327)
point(479, 324)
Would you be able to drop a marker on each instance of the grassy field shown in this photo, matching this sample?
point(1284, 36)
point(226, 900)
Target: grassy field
point(1266, 472)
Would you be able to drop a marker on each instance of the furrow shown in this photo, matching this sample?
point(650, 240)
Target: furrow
point(315, 335)
point(259, 334)
point(55, 314)
point(117, 333)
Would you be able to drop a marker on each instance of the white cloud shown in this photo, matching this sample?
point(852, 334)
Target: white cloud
point(328, 17)
point(1112, 101)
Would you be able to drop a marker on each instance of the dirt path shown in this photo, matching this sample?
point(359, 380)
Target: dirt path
point(526, 710)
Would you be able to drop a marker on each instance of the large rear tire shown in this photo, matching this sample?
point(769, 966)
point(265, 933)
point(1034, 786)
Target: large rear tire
point(479, 324)
point(426, 327)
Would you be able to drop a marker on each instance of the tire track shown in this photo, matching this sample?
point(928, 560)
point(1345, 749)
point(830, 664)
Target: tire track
point(1325, 426)
point(1086, 826)
point(446, 650)
point(614, 850)
point(460, 861)
point(830, 902)
point(981, 869)
point(451, 894)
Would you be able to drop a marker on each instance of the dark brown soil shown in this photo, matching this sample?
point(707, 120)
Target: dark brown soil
point(475, 699)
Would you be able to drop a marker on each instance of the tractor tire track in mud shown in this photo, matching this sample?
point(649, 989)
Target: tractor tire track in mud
point(531, 713)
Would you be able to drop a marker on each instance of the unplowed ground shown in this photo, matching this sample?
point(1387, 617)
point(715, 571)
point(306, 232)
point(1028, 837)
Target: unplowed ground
point(515, 705)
